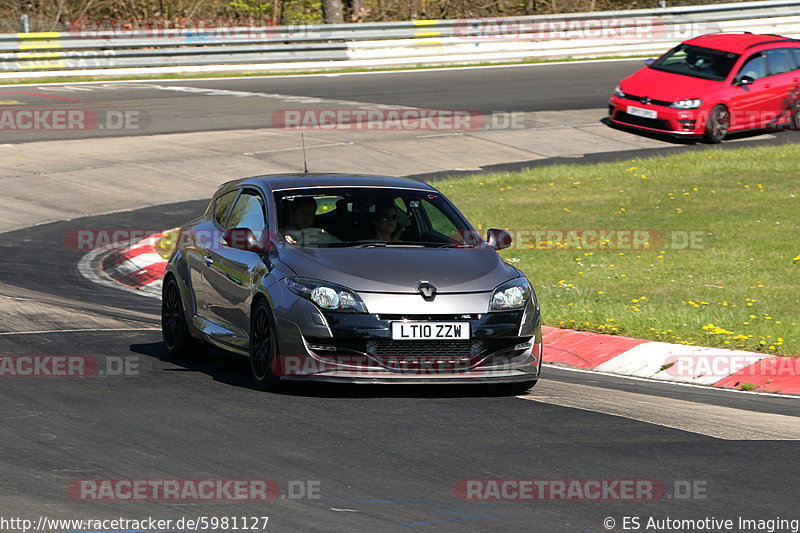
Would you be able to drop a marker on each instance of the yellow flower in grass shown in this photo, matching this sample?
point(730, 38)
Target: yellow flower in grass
point(711, 329)
point(166, 243)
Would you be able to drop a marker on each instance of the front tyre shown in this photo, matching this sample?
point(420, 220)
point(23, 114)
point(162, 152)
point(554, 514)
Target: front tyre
point(719, 120)
point(174, 329)
point(795, 118)
point(263, 347)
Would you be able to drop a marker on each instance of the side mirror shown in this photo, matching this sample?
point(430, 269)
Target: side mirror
point(649, 61)
point(744, 80)
point(243, 239)
point(498, 238)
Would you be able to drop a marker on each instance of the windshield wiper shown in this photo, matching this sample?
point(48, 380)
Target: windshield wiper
point(357, 244)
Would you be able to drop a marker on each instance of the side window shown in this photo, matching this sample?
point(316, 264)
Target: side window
point(755, 67)
point(796, 54)
point(248, 213)
point(439, 221)
point(222, 206)
point(780, 61)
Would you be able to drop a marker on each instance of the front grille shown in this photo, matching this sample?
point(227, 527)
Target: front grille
point(425, 355)
point(641, 99)
point(390, 348)
point(633, 120)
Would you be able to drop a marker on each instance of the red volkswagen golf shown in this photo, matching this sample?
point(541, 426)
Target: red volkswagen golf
point(712, 85)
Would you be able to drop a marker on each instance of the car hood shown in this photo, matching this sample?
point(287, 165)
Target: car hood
point(400, 270)
point(660, 85)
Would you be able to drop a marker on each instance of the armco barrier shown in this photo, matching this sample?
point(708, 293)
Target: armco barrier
point(100, 48)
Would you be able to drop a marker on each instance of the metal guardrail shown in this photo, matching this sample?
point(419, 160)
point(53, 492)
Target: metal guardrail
point(104, 49)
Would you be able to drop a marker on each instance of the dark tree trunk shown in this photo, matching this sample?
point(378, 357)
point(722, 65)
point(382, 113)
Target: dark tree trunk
point(358, 10)
point(332, 11)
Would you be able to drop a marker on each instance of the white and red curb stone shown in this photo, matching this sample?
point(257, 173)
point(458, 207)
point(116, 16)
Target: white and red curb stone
point(137, 266)
point(716, 367)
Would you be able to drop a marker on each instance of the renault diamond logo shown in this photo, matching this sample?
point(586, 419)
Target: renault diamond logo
point(646, 100)
point(427, 291)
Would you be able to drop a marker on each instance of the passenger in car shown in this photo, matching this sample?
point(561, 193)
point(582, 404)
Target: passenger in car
point(384, 223)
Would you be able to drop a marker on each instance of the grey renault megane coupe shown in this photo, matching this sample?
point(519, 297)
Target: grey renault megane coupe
point(349, 278)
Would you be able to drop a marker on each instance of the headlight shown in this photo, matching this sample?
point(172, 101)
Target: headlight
point(511, 295)
point(618, 92)
point(327, 295)
point(687, 103)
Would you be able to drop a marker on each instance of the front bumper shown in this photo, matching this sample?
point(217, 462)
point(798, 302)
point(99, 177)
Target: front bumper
point(668, 120)
point(503, 347)
point(383, 378)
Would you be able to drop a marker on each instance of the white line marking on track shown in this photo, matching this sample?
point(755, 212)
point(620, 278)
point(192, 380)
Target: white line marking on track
point(80, 330)
point(717, 421)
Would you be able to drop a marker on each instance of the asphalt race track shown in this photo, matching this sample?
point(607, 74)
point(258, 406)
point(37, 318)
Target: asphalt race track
point(349, 458)
point(542, 88)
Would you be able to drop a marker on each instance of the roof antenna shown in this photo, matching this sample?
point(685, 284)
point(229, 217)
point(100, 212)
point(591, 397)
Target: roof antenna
point(305, 163)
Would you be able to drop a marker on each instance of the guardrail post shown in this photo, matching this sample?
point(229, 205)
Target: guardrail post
point(26, 23)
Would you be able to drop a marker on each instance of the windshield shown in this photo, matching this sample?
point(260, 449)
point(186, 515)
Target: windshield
point(365, 217)
point(696, 62)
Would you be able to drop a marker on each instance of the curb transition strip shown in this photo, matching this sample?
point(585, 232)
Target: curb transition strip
point(140, 266)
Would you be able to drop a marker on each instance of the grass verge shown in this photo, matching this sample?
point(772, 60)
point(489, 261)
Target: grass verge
point(705, 249)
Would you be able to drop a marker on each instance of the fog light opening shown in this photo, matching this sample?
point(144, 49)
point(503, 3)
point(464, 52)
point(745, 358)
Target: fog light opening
point(322, 347)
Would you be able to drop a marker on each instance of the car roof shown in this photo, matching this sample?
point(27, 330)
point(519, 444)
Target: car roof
point(737, 43)
point(277, 182)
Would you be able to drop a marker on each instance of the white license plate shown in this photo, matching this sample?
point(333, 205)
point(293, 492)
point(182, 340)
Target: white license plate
point(641, 112)
point(412, 331)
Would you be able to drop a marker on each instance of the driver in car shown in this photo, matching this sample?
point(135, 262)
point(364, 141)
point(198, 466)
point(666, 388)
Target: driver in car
point(301, 230)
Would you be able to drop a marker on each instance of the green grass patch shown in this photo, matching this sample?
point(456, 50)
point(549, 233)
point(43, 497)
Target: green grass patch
point(722, 263)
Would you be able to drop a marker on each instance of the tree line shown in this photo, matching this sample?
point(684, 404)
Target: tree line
point(58, 15)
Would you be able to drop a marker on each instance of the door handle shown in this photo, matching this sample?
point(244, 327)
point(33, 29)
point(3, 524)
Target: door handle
point(208, 260)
